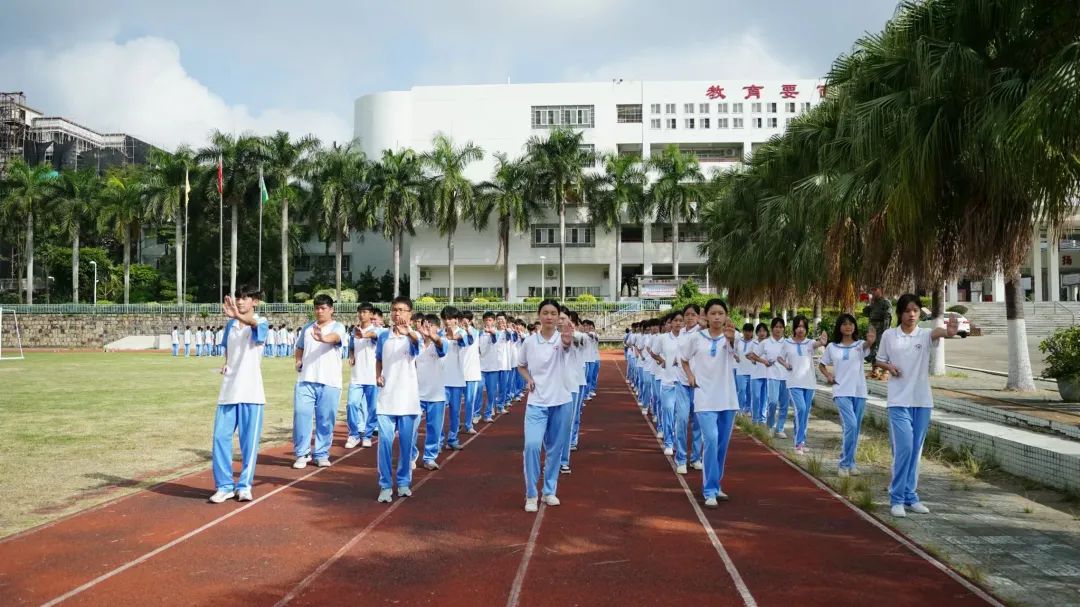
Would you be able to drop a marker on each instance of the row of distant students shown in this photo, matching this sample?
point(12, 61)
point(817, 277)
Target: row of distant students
point(692, 374)
point(419, 365)
point(209, 341)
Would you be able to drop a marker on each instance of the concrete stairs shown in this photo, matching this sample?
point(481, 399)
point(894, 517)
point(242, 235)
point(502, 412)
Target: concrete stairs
point(1042, 318)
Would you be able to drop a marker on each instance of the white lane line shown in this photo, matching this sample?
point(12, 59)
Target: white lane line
point(530, 547)
point(187, 536)
point(979, 592)
point(736, 577)
point(307, 581)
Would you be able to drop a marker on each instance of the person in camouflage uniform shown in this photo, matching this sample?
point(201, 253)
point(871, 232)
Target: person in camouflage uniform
point(879, 311)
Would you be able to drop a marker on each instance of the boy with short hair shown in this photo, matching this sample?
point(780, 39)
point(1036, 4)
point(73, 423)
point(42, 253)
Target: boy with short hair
point(432, 388)
point(592, 368)
point(187, 341)
point(175, 341)
point(398, 405)
point(198, 341)
point(241, 399)
point(363, 392)
point(452, 372)
point(490, 367)
point(271, 344)
point(470, 368)
point(506, 337)
point(318, 388)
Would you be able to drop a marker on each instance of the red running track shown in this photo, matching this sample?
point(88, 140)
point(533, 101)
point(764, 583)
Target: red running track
point(629, 532)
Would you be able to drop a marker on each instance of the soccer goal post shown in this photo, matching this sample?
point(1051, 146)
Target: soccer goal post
point(10, 339)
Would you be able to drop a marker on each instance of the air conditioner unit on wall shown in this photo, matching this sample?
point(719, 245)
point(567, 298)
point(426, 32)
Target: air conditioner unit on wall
point(549, 273)
point(425, 274)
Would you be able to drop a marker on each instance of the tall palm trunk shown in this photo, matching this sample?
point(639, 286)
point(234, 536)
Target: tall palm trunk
point(232, 245)
point(562, 251)
point(127, 265)
point(937, 318)
point(337, 264)
point(1020, 378)
point(285, 249)
point(675, 243)
point(618, 262)
point(817, 313)
point(30, 257)
point(450, 262)
point(397, 263)
point(179, 221)
point(504, 242)
point(75, 267)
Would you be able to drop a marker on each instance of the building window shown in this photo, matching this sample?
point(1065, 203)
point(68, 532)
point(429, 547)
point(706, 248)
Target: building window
point(669, 108)
point(736, 123)
point(550, 116)
point(721, 123)
point(654, 123)
point(654, 108)
point(688, 108)
point(789, 107)
point(703, 108)
point(721, 108)
point(589, 149)
point(756, 122)
point(806, 106)
point(755, 108)
point(737, 108)
point(772, 123)
point(787, 122)
point(705, 123)
point(689, 123)
point(671, 123)
point(771, 107)
point(629, 113)
point(576, 236)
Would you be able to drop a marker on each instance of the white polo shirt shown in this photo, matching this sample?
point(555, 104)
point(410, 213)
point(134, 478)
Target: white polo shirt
point(800, 355)
point(758, 370)
point(429, 372)
point(772, 349)
point(320, 361)
point(847, 364)
point(198, 337)
point(910, 352)
point(271, 338)
point(470, 356)
point(452, 374)
point(667, 346)
point(545, 359)
point(490, 355)
point(711, 361)
point(400, 394)
point(175, 337)
point(363, 352)
point(684, 340)
point(187, 336)
point(242, 381)
point(745, 366)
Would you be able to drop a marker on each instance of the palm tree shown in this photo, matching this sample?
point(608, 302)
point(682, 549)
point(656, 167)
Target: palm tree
point(72, 196)
point(338, 176)
point(397, 190)
point(451, 192)
point(286, 160)
point(557, 172)
point(167, 175)
point(506, 196)
point(26, 189)
point(122, 211)
point(241, 156)
point(677, 190)
point(624, 180)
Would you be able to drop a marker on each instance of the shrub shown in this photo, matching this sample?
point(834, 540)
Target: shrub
point(480, 300)
point(427, 299)
point(300, 297)
point(586, 298)
point(533, 300)
point(347, 295)
point(1062, 350)
point(958, 309)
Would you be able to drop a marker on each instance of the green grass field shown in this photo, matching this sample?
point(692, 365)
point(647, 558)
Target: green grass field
point(83, 428)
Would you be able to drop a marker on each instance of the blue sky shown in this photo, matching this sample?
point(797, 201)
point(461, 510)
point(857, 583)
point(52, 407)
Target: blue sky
point(171, 72)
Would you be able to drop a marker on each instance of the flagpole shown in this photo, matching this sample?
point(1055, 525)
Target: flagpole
point(261, 187)
point(187, 199)
point(221, 233)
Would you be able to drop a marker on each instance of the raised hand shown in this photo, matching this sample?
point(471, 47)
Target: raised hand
point(952, 326)
point(228, 307)
point(871, 336)
point(316, 332)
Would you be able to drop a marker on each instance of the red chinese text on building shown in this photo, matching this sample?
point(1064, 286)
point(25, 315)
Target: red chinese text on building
point(821, 91)
point(788, 91)
point(753, 90)
point(715, 92)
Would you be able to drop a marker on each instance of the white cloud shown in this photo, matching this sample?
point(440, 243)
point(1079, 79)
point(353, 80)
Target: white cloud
point(742, 56)
point(140, 87)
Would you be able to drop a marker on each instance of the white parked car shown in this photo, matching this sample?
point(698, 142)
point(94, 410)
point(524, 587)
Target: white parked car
point(963, 328)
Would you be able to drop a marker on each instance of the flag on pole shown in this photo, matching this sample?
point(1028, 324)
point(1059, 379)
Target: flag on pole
point(220, 175)
point(263, 194)
point(187, 187)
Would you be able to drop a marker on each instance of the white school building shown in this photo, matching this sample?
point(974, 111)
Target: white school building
point(720, 120)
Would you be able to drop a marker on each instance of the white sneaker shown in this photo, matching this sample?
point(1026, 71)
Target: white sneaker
point(551, 500)
point(780, 434)
point(471, 431)
point(366, 443)
point(323, 462)
point(660, 434)
point(564, 469)
point(431, 466)
point(723, 497)
point(573, 447)
point(681, 469)
point(697, 465)
point(386, 496)
point(669, 451)
point(222, 496)
point(301, 462)
point(898, 511)
point(244, 495)
point(711, 502)
point(404, 492)
point(413, 464)
point(531, 505)
point(352, 442)
point(854, 471)
point(918, 508)
point(489, 419)
point(843, 473)
point(800, 450)
point(476, 420)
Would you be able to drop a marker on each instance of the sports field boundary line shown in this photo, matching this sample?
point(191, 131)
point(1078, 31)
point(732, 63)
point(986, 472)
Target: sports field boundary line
point(523, 567)
point(183, 538)
point(729, 564)
point(311, 577)
point(894, 534)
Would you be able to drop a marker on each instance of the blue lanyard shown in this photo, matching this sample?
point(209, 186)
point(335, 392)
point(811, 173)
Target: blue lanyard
point(715, 342)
